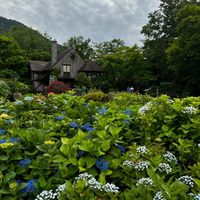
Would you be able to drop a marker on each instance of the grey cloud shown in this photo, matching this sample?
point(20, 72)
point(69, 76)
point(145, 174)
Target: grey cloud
point(99, 20)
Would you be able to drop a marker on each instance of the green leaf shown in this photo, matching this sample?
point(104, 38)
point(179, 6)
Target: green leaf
point(2, 157)
point(106, 145)
point(9, 176)
point(115, 131)
point(42, 181)
point(90, 161)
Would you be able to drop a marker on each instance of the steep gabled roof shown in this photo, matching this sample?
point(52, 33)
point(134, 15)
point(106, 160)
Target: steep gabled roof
point(91, 66)
point(39, 66)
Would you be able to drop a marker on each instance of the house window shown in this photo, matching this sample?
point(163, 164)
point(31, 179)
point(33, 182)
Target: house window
point(66, 70)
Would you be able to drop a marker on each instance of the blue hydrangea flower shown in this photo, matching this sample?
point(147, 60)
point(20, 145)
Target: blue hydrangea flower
point(59, 118)
point(88, 127)
point(128, 112)
point(28, 98)
point(127, 122)
point(80, 154)
point(30, 186)
point(101, 164)
point(2, 131)
point(121, 148)
point(2, 141)
point(15, 139)
point(87, 105)
point(25, 162)
point(19, 181)
point(73, 124)
point(102, 111)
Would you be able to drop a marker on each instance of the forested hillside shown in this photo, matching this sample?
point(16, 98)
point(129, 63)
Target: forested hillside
point(36, 45)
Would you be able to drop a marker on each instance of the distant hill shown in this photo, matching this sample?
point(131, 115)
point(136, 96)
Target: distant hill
point(37, 46)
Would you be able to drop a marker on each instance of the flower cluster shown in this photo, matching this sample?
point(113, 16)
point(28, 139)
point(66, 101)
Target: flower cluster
point(142, 150)
point(29, 187)
point(197, 197)
point(49, 195)
point(164, 167)
point(145, 182)
point(110, 187)
point(2, 131)
point(102, 111)
point(92, 183)
point(18, 102)
point(88, 127)
point(4, 116)
point(25, 162)
point(140, 166)
point(128, 112)
point(121, 148)
point(73, 125)
point(189, 110)
point(128, 163)
point(101, 164)
point(59, 118)
point(84, 176)
point(170, 157)
point(28, 98)
point(80, 154)
point(46, 195)
point(6, 145)
point(145, 108)
point(187, 180)
point(15, 139)
point(159, 196)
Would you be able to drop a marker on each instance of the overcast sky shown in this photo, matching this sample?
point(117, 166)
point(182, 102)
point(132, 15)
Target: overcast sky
point(99, 20)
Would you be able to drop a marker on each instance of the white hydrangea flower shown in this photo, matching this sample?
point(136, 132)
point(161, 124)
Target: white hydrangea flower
point(128, 163)
point(199, 145)
point(164, 167)
point(145, 108)
point(187, 180)
point(84, 176)
point(142, 150)
point(170, 157)
point(189, 110)
point(46, 195)
point(145, 182)
point(171, 101)
point(110, 187)
point(60, 189)
point(94, 184)
point(197, 197)
point(159, 196)
point(141, 165)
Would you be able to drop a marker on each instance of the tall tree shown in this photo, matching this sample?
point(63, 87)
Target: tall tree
point(126, 67)
point(184, 52)
point(12, 57)
point(81, 45)
point(159, 32)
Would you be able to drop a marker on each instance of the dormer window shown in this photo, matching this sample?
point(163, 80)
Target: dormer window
point(66, 70)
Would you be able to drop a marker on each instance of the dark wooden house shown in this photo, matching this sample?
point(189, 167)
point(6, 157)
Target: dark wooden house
point(65, 65)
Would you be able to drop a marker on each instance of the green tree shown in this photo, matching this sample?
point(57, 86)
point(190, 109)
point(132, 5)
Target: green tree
point(159, 32)
point(82, 46)
point(126, 67)
point(184, 52)
point(12, 57)
point(108, 47)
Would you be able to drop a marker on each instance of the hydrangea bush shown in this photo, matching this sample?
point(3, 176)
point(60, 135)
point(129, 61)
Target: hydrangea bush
point(68, 147)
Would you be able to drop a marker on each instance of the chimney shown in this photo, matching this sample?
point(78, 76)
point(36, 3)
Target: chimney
point(54, 52)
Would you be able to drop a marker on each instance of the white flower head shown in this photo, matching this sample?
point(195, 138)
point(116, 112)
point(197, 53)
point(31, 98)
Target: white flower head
point(46, 195)
point(187, 180)
point(145, 108)
point(159, 196)
point(145, 182)
point(164, 167)
point(141, 165)
point(110, 187)
point(128, 163)
point(170, 157)
point(189, 110)
point(142, 150)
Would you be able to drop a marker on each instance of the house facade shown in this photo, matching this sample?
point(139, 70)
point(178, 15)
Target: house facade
point(64, 67)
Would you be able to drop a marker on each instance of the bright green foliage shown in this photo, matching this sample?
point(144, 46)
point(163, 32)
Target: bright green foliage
point(184, 52)
point(127, 141)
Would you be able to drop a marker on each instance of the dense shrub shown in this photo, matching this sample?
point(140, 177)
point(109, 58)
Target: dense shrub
point(97, 96)
point(79, 149)
point(57, 87)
